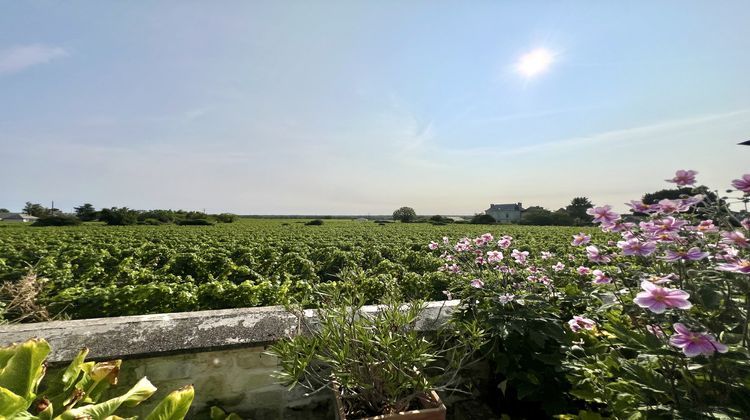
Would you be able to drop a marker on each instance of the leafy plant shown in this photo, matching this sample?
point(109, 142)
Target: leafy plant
point(77, 392)
point(378, 362)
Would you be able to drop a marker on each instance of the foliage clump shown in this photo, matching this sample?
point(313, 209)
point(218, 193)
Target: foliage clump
point(57, 220)
point(378, 362)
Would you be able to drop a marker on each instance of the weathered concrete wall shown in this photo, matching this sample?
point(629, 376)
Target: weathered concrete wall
point(239, 380)
point(220, 352)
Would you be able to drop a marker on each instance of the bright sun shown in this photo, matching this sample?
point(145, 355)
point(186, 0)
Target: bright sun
point(534, 62)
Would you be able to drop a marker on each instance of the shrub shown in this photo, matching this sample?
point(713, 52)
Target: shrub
point(650, 326)
point(225, 218)
point(195, 222)
point(483, 219)
point(57, 220)
point(122, 216)
point(377, 362)
point(316, 222)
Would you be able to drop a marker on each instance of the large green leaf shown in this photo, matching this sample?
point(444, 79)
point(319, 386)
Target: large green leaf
point(74, 369)
point(175, 406)
point(137, 394)
point(25, 368)
point(11, 404)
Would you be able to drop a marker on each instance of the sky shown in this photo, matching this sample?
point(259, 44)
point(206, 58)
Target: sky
point(324, 107)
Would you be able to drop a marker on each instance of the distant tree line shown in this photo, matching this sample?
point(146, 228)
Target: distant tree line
point(574, 214)
point(122, 216)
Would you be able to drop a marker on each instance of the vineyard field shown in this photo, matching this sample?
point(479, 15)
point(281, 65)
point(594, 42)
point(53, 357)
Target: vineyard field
point(99, 271)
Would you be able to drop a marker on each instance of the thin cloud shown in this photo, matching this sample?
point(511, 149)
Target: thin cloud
point(21, 57)
point(607, 136)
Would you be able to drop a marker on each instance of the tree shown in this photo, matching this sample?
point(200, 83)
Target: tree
point(118, 216)
point(675, 193)
point(679, 193)
point(483, 219)
point(35, 209)
point(4, 211)
point(86, 212)
point(225, 218)
point(405, 214)
point(542, 217)
point(577, 210)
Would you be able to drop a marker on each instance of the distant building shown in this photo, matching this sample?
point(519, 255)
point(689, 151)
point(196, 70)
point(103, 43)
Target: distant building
point(17, 217)
point(505, 213)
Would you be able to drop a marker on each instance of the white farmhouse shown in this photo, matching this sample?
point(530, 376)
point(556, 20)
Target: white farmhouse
point(17, 217)
point(505, 213)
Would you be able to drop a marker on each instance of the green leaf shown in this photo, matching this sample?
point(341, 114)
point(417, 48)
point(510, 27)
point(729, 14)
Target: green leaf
point(11, 404)
point(137, 394)
point(73, 370)
point(219, 414)
point(25, 368)
point(710, 297)
point(175, 406)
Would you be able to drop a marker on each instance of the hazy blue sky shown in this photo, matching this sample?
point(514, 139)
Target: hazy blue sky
point(361, 107)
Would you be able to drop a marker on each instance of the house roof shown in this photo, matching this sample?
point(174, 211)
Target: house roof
point(506, 207)
point(16, 216)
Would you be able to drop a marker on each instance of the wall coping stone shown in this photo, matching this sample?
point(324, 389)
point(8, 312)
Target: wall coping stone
point(180, 332)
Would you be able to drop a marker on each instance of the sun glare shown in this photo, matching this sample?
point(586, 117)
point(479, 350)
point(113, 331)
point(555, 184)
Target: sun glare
point(534, 62)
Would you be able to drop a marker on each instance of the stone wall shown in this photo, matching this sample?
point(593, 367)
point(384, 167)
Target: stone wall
point(222, 353)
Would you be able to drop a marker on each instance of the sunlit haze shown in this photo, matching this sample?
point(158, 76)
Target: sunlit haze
point(535, 62)
point(363, 107)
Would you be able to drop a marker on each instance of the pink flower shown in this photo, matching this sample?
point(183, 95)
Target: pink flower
point(656, 330)
point(451, 268)
point(583, 270)
point(505, 242)
point(657, 299)
point(666, 225)
point(735, 238)
point(746, 223)
point(581, 239)
point(667, 206)
point(477, 283)
point(600, 277)
point(546, 255)
point(462, 245)
point(558, 267)
point(705, 226)
point(506, 298)
point(519, 256)
point(742, 184)
point(692, 254)
point(640, 207)
point(603, 214)
point(433, 246)
point(741, 266)
point(694, 344)
point(595, 255)
point(487, 237)
point(618, 226)
point(636, 247)
point(579, 323)
point(683, 177)
point(663, 279)
point(494, 256)
point(446, 240)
